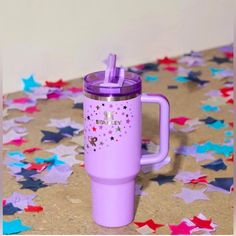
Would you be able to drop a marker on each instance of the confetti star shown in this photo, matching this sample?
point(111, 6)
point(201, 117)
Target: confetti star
point(88, 117)
point(75, 89)
point(127, 121)
point(191, 61)
point(97, 107)
point(31, 150)
point(229, 54)
point(9, 124)
point(166, 60)
point(23, 119)
point(26, 172)
point(55, 95)
point(63, 150)
point(206, 224)
point(189, 195)
point(179, 120)
point(220, 60)
point(187, 176)
point(124, 107)
point(170, 68)
point(150, 223)
point(14, 227)
point(30, 83)
point(17, 142)
point(216, 165)
point(70, 160)
point(32, 184)
point(37, 166)
point(162, 179)
point(57, 174)
point(21, 200)
point(9, 209)
point(193, 77)
point(151, 78)
point(31, 110)
point(30, 208)
point(94, 129)
point(112, 138)
point(223, 183)
point(51, 136)
point(181, 229)
point(67, 131)
point(57, 84)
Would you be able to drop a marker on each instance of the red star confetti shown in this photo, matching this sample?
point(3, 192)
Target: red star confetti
point(17, 142)
point(53, 96)
point(75, 89)
point(181, 228)
point(202, 179)
point(230, 101)
point(179, 120)
point(150, 223)
point(38, 167)
point(226, 91)
point(229, 54)
point(231, 158)
point(231, 124)
point(31, 150)
point(33, 208)
point(201, 223)
point(166, 60)
point(171, 68)
point(31, 109)
point(94, 129)
point(4, 201)
point(140, 67)
point(58, 84)
point(21, 100)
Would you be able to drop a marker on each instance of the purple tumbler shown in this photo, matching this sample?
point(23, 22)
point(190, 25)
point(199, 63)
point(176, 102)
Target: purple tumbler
point(112, 140)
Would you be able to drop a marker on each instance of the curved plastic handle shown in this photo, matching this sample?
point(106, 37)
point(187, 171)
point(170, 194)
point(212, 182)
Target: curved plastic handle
point(164, 128)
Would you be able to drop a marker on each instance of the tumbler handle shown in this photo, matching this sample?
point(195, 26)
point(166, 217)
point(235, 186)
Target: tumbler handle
point(164, 128)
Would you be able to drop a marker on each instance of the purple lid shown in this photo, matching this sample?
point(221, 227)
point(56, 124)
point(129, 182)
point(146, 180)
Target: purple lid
point(94, 84)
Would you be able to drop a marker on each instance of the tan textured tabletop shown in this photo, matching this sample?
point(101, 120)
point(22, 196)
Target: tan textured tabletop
point(67, 208)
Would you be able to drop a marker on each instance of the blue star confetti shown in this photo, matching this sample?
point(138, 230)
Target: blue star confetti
point(215, 165)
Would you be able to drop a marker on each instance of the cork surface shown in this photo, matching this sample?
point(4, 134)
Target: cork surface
point(67, 208)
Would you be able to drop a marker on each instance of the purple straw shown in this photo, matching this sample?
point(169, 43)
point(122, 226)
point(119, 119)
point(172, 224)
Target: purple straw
point(110, 71)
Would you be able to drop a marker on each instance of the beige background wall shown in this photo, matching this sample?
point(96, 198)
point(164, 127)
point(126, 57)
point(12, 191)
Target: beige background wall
point(68, 38)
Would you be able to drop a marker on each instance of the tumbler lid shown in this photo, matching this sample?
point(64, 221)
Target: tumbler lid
point(114, 81)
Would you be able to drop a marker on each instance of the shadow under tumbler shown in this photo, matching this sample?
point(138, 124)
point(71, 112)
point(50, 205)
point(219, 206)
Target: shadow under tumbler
point(112, 141)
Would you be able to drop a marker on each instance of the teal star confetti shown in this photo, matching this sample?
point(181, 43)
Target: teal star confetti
point(14, 227)
point(226, 150)
point(229, 133)
point(151, 78)
point(30, 83)
point(16, 155)
point(53, 161)
point(181, 79)
point(215, 71)
point(209, 108)
point(217, 125)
